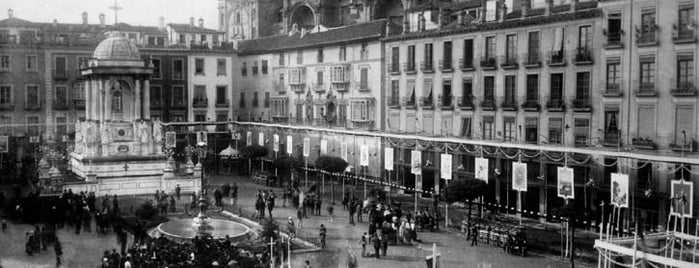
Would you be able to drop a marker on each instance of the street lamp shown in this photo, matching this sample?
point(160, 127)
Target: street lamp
point(201, 153)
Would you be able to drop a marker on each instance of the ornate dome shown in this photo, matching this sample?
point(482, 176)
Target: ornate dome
point(117, 48)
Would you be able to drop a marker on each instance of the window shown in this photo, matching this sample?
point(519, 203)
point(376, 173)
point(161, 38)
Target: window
point(614, 28)
point(199, 66)
point(200, 117)
point(531, 129)
point(5, 128)
point(395, 59)
point(33, 125)
point(281, 59)
point(255, 100)
point(446, 93)
point(320, 55)
point(266, 99)
point(178, 97)
point(32, 63)
point(264, 66)
point(5, 95)
point(61, 67)
point(488, 127)
point(647, 26)
point(242, 99)
point(411, 57)
point(533, 88)
point(647, 73)
point(221, 96)
point(489, 88)
point(428, 56)
point(296, 76)
point(556, 87)
point(299, 57)
point(5, 63)
point(613, 74)
point(221, 117)
point(684, 124)
point(508, 128)
point(490, 47)
point(490, 10)
point(555, 130)
point(446, 55)
point(254, 68)
point(584, 38)
point(646, 122)
point(685, 21)
point(685, 71)
point(611, 124)
point(79, 91)
point(467, 88)
point(364, 79)
point(363, 51)
point(244, 69)
point(281, 79)
point(62, 96)
point(156, 95)
point(177, 69)
point(319, 78)
point(533, 48)
point(61, 125)
point(221, 67)
point(157, 73)
point(33, 97)
point(511, 48)
point(582, 87)
point(582, 131)
point(337, 74)
point(343, 53)
point(510, 89)
point(395, 91)
point(182, 39)
point(466, 127)
point(117, 102)
point(468, 54)
point(199, 94)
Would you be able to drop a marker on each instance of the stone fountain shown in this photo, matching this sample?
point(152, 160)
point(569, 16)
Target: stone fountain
point(201, 221)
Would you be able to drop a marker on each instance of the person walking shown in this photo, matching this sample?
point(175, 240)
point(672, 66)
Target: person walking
point(234, 194)
point(323, 233)
point(299, 217)
point(351, 214)
point(359, 212)
point(59, 252)
point(474, 235)
point(330, 212)
point(377, 245)
point(178, 192)
point(364, 241)
point(270, 202)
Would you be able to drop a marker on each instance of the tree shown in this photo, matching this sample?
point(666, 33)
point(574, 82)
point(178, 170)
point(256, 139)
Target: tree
point(253, 152)
point(465, 190)
point(285, 163)
point(332, 165)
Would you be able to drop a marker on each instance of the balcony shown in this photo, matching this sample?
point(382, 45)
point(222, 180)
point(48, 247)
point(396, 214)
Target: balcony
point(689, 146)
point(644, 144)
point(7, 106)
point(79, 104)
point(614, 40)
point(222, 104)
point(647, 39)
point(362, 124)
point(531, 105)
point(427, 67)
point(509, 62)
point(427, 103)
point(466, 65)
point(532, 60)
point(409, 68)
point(362, 86)
point(582, 105)
point(509, 105)
point(200, 103)
point(556, 105)
point(179, 103)
point(583, 56)
point(446, 102)
point(32, 107)
point(446, 66)
point(683, 34)
point(409, 103)
point(488, 105)
point(465, 103)
point(298, 88)
point(684, 90)
point(279, 88)
point(613, 90)
point(489, 63)
point(394, 68)
point(611, 139)
point(556, 58)
point(646, 90)
point(318, 88)
point(393, 102)
point(60, 75)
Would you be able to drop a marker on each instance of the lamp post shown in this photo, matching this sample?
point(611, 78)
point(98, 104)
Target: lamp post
point(201, 153)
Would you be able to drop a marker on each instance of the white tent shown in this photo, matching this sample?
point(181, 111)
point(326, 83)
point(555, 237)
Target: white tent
point(230, 153)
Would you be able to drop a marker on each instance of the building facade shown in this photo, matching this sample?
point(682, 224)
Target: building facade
point(210, 87)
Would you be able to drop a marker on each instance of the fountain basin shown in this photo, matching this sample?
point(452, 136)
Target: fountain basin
point(182, 229)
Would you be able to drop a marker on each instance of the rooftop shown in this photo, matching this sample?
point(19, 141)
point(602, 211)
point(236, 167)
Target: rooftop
point(188, 28)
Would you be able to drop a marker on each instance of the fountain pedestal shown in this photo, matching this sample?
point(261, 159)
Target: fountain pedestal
point(201, 221)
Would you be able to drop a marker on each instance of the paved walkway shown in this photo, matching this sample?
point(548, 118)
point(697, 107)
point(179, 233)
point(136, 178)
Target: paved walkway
point(343, 238)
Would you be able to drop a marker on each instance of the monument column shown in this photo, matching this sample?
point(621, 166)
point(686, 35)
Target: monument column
point(146, 99)
point(137, 106)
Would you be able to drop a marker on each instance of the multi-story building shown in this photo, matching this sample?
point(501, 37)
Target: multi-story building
point(169, 83)
point(193, 36)
point(210, 88)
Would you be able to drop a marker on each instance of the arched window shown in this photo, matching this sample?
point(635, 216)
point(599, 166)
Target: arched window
point(117, 102)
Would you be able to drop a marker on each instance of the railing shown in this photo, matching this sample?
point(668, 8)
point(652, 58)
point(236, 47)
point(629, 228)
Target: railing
point(683, 35)
point(509, 104)
point(367, 124)
point(445, 65)
point(222, 104)
point(394, 68)
point(465, 103)
point(393, 102)
point(7, 106)
point(532, 59)
point(33, 107)
point(646, 89)
point(179, 104)
point(427, 67)
point(556, 58)
point(647, 38)
point(686, 89)
point(687, 146)
point(613, 89)
point(363, 86)
point(488, 104)
point(583, 55)
point(489, 63)
point(60, 74)
point(614, 40)
point(611, 139)
point(409, 103)
point(582, 105)
point(555, 105)
point(509, 62)
point(531, 105)
point(409, 67)
point(426, 103)
point(200, 103)
point(79, 104)
point(644, 143)
point(466, 64)
point(446, 102)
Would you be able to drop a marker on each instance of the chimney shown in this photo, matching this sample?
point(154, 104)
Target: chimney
point(201, 23)
point(191, 21)
point(84, 18)
point(161, 22)
point(525, 8)
point(549, 5)
point(10, 13)
point(101, 19)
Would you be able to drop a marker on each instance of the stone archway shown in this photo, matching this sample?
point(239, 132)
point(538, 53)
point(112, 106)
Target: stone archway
point(304, 17)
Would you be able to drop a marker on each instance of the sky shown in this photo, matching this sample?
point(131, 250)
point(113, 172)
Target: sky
point(134, 12)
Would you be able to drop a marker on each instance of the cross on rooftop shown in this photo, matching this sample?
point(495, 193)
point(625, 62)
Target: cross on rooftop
point(116, 9)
